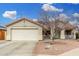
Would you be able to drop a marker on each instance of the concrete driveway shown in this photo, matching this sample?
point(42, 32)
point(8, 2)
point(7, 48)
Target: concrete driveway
point(17, 48)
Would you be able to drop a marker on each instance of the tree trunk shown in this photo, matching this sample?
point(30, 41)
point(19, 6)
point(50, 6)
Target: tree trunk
point(52, 33)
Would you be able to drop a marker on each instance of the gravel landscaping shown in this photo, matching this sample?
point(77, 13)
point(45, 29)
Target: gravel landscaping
point(55, 48)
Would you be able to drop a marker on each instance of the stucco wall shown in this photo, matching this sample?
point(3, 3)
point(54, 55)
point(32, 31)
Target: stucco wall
point(23, 24)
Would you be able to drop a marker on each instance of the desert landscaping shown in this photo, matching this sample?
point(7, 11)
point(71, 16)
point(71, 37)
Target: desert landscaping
point(57, 47)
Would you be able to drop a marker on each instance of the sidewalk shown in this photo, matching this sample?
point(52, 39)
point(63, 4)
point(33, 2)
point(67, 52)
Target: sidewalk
point(74, 52)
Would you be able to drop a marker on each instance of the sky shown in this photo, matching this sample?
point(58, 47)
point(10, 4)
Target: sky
point(12, 11)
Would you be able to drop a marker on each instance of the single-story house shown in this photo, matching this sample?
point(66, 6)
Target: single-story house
point(65, 30)
point(62, 30)
point(24, 29)
point(2, 32)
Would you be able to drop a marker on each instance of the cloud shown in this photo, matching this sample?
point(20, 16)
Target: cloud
point(74, 22)
point(10, 14)
point(63, 16)
point(35, 19)
point(49, 7)
point(76, 14)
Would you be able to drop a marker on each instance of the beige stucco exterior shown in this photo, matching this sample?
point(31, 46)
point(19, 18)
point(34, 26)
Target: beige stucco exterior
point(23, 25)
point(73, 33)
point(62, 35)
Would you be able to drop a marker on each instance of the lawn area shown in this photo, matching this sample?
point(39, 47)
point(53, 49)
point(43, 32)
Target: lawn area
point(56, 48)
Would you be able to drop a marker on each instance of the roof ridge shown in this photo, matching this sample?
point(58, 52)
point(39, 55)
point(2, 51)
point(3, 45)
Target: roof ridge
point(24, 18)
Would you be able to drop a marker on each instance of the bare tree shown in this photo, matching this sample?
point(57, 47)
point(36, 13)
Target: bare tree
point(44, 19)
point(48, 19)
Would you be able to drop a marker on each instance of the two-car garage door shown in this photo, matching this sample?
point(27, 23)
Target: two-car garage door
point(25, 34)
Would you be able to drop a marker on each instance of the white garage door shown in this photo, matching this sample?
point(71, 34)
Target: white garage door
point(25, 34)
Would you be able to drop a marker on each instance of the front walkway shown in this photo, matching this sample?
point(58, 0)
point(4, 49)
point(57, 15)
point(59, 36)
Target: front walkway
point(20, 48)
point(74, 52)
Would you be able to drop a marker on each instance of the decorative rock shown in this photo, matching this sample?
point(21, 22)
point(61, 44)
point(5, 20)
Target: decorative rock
point(47, 46)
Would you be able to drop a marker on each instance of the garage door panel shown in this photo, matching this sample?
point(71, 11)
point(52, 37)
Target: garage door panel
point(25, 34)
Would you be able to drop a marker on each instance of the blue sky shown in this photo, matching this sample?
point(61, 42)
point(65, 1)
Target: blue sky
point(31, 10)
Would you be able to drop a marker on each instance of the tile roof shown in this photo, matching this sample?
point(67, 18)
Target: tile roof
point(62, 25)
point(21, 19)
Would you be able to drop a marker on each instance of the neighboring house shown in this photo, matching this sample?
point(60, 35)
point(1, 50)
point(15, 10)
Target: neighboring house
point(2, 33)
point(24, 29)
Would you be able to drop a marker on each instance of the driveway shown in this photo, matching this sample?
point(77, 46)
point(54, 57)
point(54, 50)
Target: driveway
point(17, 48)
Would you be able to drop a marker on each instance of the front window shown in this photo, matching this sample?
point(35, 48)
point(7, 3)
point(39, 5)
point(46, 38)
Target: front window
point(68, 34)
